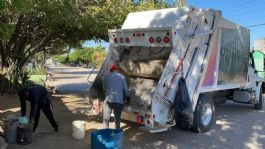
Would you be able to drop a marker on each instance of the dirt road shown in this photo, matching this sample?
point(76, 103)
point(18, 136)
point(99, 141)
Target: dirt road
point(237, 126)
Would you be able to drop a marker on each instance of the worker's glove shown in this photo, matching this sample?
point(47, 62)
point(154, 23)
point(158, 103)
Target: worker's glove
point(128, 98)
point(31, 122)
point(127, 102)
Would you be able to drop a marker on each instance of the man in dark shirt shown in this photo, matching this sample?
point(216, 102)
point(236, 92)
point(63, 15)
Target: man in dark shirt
point(38, 97)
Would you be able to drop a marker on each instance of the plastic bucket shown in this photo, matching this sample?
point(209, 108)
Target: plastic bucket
point(24, 134)
point(79, 129)
point(10, 131)
point(107, 139)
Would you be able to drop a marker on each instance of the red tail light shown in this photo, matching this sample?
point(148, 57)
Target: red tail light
point(116, 40)
point(127, 40)
point(166, 40)
point(139, 119)
point(151, 40)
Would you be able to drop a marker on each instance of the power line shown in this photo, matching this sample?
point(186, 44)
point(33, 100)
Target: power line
point(255, 25)
point(238, 5)
point(229, 6)
point(243, 7)
point(257, 8)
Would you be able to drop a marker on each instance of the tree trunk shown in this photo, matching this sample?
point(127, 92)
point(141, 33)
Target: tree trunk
point(13, 74)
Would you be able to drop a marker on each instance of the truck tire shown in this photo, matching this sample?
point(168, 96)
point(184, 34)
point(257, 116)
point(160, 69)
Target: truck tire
point(258, 106)
point(204, 114)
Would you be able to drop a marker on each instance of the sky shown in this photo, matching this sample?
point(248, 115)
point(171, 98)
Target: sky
point(92, 43)
point(243, 12)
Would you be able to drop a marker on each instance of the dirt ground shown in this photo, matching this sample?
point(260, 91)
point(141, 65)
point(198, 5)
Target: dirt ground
point(237, 126)
point(66, 110)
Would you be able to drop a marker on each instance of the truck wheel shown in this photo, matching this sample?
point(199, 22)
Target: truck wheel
point(258, 106)
point(204, 114)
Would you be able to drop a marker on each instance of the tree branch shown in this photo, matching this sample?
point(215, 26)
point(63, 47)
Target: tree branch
point(16, 33)
point(1, 54)
point(38, 48)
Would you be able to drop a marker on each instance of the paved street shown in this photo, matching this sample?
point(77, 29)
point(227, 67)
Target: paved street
point(71, 79)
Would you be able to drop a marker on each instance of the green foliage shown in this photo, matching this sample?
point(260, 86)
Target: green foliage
point(74, 57)
point(181, 3)
point(39, 70)
point(28, 27)
point(36, 79)
point(85, 55)
point(6, 31)
point(98, 57)
point(61, 59)
point(111, 14)
point(38, 63)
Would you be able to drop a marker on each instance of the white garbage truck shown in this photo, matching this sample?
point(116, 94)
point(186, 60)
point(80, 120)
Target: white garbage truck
point(155, 49)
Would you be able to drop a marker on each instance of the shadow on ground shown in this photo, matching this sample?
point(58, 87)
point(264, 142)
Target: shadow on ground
point(66, 110)
point(237, 126)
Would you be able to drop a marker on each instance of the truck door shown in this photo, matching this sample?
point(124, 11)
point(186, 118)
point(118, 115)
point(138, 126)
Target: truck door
point(258, 63)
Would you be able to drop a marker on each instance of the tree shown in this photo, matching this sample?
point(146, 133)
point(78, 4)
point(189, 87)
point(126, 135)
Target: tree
point(85, 55)
point(61, 59)
point(98, 57)
point(181, 3)
point(28, 27)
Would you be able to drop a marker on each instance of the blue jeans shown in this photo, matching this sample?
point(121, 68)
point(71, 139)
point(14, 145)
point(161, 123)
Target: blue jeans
point(117, 109)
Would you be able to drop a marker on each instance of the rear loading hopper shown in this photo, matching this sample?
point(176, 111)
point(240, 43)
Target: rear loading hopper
point(154, 49)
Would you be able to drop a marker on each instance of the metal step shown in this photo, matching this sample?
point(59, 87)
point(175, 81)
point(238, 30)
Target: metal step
point(153, 130)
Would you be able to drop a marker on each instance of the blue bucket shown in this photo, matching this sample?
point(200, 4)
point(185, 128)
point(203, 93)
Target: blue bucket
point(106, 139)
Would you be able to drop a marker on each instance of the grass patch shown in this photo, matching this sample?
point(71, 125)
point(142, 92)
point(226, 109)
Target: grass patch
point(37, 79)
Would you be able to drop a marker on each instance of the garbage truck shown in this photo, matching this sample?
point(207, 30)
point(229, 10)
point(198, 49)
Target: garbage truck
point(155, 49)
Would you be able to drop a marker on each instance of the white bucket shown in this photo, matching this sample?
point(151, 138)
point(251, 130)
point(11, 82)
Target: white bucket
point(79, 129)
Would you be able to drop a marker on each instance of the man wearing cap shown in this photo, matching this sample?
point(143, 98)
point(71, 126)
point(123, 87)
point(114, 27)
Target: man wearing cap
point(116, 90)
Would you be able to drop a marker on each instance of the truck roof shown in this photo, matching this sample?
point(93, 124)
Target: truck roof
point(155, 18)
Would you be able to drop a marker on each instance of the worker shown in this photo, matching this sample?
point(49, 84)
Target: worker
point(117, 94)
point(38, 97)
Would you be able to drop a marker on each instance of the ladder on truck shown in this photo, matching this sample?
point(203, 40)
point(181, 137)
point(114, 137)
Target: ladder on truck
point(183, 61)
